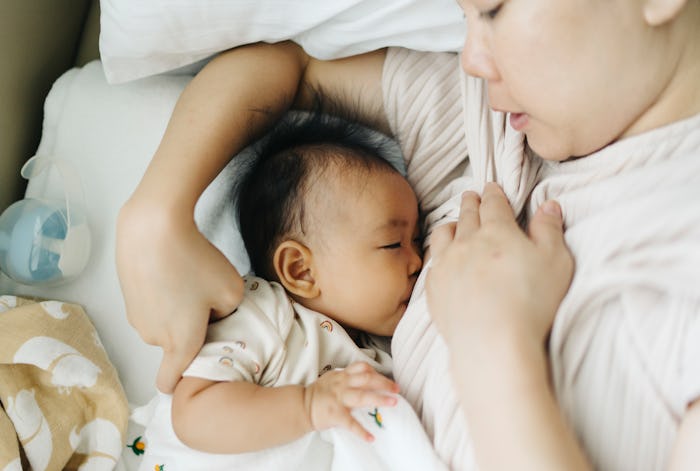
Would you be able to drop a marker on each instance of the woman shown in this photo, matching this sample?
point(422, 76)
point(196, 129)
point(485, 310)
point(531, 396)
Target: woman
point(613, 83)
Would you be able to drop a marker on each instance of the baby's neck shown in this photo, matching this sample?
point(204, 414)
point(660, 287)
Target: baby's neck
point(355, 334)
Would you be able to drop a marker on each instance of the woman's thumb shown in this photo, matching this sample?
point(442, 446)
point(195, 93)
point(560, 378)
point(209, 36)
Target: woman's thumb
point(546, 227)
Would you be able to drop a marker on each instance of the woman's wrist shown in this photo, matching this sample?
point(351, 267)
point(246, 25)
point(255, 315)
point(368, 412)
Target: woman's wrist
point(154, 214)
point(497, 359)
point(506, 395)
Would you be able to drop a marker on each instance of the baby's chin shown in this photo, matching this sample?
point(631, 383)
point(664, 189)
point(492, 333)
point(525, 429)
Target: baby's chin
point(393, 322)
point(389, 323)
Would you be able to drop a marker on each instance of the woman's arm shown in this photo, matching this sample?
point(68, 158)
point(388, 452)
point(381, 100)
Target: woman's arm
point(686, 452)
point(513, 416)
point(493, 292)
point(239, 417)
point(171, 277)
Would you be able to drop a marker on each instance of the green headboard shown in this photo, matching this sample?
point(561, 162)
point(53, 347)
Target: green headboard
point(39, 40)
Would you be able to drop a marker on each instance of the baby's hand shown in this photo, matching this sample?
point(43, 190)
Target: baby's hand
point(329, 400)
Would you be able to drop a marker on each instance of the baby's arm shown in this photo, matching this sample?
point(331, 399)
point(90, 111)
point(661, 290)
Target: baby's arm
point(239, 417)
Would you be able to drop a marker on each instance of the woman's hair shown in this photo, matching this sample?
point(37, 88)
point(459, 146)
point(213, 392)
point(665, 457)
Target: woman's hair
point(271, 195)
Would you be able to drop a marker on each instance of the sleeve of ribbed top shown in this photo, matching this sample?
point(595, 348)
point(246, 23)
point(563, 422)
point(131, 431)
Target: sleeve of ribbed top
point(423, 104)
point(628, 369)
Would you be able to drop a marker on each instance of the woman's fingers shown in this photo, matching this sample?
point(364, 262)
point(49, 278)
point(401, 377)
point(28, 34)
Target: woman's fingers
point(180, 343)
point(229, 292)
point(469, 218)
point(173, 363)
point(546, 231)
point(495, 207)
point(439, 239)
point(546, 227)
point(492, 207)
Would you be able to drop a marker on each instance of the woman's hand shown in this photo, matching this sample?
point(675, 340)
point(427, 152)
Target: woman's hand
point(330, 399)
point(488, 277)
point(173, 280)
point(493, 292)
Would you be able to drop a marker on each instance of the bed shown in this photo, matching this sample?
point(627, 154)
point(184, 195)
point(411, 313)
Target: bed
point(107, 109)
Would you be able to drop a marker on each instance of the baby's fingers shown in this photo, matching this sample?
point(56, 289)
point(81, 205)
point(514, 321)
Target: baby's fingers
point(371, 380)
point(354, 426)
point(357, 397)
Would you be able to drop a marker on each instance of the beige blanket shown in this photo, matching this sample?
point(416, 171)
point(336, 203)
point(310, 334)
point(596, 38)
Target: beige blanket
point(63, 404)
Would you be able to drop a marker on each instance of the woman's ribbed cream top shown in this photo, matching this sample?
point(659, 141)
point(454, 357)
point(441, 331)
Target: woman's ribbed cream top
point(625, 346)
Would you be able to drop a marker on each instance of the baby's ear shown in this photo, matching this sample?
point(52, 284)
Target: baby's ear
point(293, 262)
point(658, 12)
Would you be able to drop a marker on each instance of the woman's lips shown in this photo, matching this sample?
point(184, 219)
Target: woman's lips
point(518, 121)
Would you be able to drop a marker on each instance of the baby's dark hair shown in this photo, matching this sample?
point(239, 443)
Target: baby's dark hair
point(271, 203)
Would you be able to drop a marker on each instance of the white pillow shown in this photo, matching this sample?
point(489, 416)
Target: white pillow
point(141, 38)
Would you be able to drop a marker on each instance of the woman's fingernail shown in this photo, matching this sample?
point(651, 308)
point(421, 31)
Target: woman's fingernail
point(552, 208)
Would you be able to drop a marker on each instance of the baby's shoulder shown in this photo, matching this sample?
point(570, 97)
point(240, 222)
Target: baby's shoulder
point(265, 307)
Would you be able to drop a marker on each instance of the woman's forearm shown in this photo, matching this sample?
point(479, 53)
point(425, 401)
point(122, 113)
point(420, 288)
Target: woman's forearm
point(234, 99)
point(514, 420)
point(237, 417)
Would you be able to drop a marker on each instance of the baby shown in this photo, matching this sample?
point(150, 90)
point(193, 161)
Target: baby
point(332, 231)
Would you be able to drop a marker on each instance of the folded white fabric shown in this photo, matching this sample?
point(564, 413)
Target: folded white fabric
point(139, 39)
point(400, 442)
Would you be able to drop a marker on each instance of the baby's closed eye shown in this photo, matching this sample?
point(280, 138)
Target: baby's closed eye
point(395, 245)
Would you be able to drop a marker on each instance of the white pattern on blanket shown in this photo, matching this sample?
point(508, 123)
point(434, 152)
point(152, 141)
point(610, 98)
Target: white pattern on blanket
point(62, 400)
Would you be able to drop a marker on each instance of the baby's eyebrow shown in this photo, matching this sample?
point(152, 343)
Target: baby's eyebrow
point(391, 224)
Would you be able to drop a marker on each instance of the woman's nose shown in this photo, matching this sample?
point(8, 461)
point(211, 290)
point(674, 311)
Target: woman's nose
point(476, 56)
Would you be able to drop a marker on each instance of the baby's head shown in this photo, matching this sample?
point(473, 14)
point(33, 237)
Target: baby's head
point(321, 213)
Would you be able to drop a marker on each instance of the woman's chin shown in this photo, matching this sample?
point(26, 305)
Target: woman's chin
point(546, 149)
